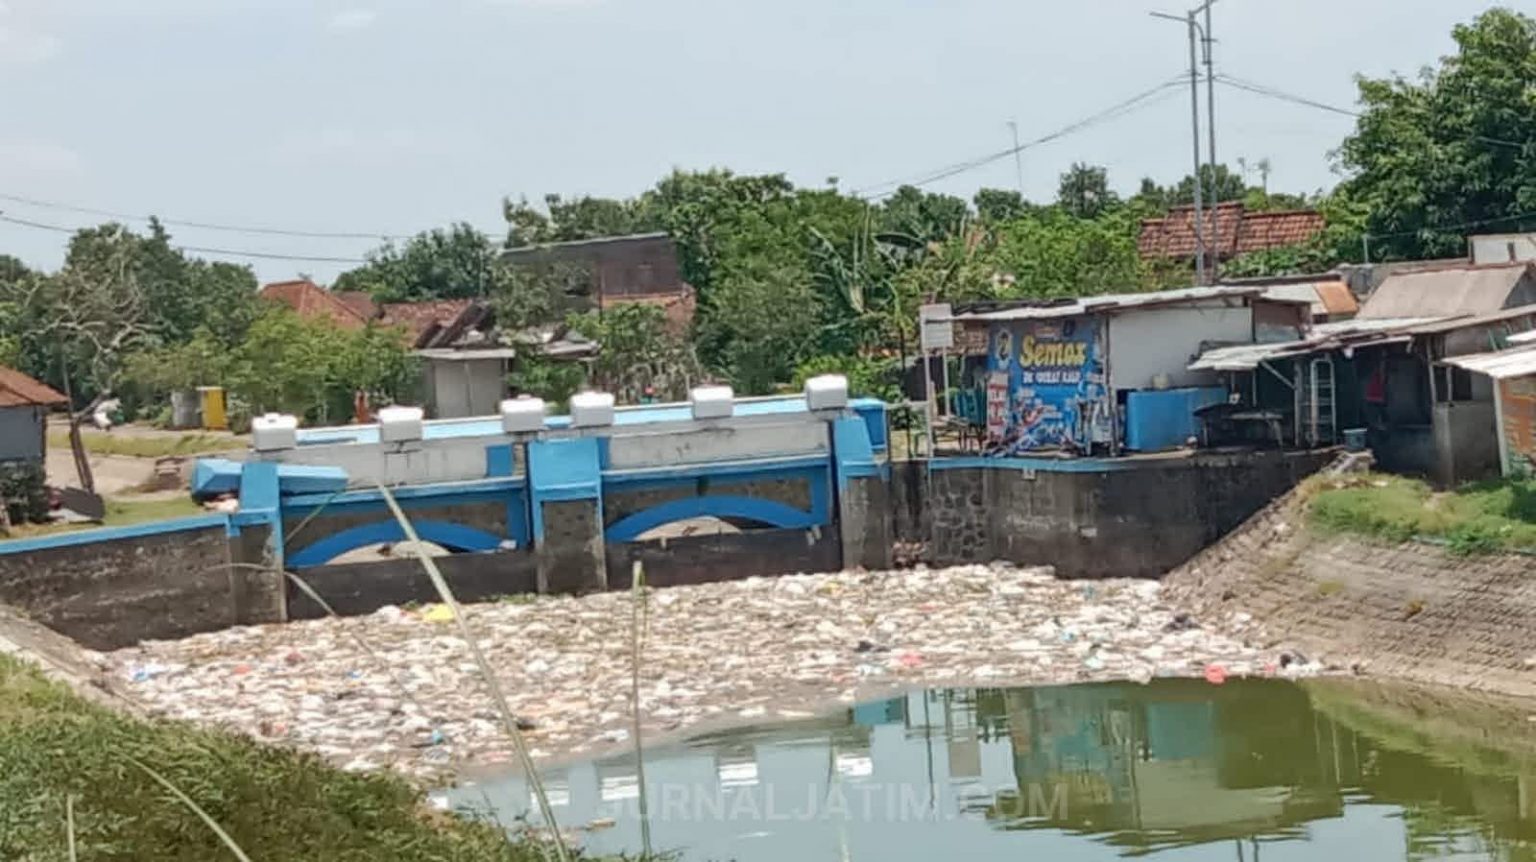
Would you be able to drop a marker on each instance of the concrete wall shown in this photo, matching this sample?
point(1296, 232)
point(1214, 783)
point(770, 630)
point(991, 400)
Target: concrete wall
point(138, 585)
point(1137, 519)
point(724, 556)
point(1143, 344)
point(362, 588)
point(417, 462)
point(21, 433)
point(470, 387)
point(1466, 442)
point(1412, 611)
point(712, 445)
point(1503, 248)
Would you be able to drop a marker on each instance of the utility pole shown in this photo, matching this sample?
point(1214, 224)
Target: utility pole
point(1190, 21)
point(1210, 121)
point(1018, 157)
point(1194, 119)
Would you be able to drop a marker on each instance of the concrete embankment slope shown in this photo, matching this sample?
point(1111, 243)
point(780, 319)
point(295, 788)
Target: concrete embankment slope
point(61, 659)
point(1413, 611)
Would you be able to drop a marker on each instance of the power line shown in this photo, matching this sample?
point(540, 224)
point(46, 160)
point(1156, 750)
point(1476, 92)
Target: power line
point(270, 231)
point(1109, 113)
point(254, 255)
point(1455, 227)
point(1274, 93)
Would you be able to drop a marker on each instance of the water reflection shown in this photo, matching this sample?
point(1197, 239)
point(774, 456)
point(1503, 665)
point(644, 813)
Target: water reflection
point(1249, 770)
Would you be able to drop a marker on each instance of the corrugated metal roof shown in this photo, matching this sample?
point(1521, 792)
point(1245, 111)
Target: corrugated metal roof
point(1105, 303)
point(1465, 321)
point(1518, 362)
point(1329, 297)
point(1325, 336)
point(1446, 292)
point(19, 390)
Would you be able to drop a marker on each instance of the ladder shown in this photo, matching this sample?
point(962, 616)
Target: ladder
point(1317, 410)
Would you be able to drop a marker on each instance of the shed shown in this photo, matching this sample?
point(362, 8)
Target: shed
point(1113, 371)
point(1513, 373)
point(24, 404)
point(1401, 379)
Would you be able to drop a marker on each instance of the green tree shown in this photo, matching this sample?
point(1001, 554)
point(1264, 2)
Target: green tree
point(922, 217)
point(1454, 151)
point(179, 294)
point(1084, 191)
point(12, 322)
point(454, 263)
point(999, 205)
point(1229, 186)
point(312, 368)
point(1055, 254)
point(638, 350)
point(761, 321)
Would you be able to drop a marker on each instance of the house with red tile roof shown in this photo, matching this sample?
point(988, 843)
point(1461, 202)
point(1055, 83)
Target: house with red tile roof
point(24, 405)
point(1229, 231)
point(310, 300)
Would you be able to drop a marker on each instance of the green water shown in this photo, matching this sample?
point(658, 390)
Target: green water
point(1250, 770)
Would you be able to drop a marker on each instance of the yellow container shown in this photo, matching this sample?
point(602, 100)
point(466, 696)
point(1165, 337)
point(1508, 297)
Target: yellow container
point(214, 415)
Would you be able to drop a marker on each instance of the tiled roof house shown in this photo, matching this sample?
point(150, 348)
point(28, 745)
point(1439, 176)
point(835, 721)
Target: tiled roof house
point(1231, 231)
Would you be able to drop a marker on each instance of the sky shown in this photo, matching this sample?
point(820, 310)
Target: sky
point(386, 117)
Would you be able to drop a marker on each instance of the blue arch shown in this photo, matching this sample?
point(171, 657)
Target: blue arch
point(455, 537)
point(718, 506)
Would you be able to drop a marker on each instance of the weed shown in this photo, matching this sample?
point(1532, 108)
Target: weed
point(1484, 517)
point(148, 445)
point(1329, 588)
point(283, 805)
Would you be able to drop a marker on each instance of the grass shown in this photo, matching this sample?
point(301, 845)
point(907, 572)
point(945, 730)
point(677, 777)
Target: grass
point(147, 445)
point(1485, 517)
point(120, 512)
point(279, 805)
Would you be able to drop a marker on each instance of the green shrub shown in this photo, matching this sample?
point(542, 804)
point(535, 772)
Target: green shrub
point(24, 491)
point(1479, 518)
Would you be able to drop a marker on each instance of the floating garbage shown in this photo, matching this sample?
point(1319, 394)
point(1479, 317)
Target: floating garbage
point(729, 651)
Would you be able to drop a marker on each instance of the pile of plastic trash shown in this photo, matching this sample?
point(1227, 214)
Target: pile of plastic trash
point(401, 688)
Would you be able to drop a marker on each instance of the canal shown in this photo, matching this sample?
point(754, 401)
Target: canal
point(1249, 770)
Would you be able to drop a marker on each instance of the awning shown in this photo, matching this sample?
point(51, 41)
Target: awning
point(1502, 364)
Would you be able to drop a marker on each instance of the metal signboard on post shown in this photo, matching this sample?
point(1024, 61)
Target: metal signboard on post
point(936, 332)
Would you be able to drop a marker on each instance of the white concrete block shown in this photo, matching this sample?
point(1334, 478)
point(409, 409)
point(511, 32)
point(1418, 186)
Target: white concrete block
point(400, 424)
point(712, 402)
point(522, 415)
point(274, 431)
point(827, 392)
point(591, 409)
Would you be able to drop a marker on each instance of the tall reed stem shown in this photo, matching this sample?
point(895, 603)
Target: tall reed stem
point(507, 719)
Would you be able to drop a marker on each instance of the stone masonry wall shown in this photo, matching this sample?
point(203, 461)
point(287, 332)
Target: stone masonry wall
point(112, 594)
point(1135, 521)
point(620, 504)
point(1412, 611)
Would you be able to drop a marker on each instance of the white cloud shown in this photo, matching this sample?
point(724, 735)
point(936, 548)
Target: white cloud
point(353, 19)
point(26, 47)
